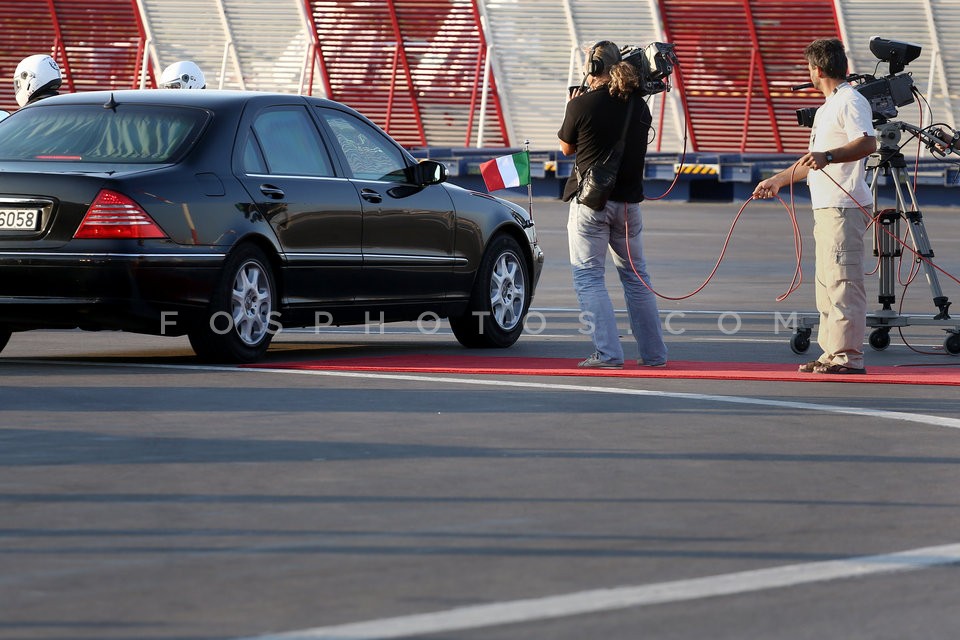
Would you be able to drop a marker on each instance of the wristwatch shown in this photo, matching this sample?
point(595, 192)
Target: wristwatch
point(828, 156)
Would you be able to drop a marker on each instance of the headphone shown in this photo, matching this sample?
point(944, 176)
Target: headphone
point(596, 65)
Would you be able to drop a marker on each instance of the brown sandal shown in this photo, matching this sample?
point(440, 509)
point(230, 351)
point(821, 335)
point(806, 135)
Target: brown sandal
point(840, 369)
point(810, 367)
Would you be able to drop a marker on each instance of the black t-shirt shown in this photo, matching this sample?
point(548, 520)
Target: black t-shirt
point(593, 122)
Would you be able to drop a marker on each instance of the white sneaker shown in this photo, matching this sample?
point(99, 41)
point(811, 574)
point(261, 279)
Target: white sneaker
point(594, 362)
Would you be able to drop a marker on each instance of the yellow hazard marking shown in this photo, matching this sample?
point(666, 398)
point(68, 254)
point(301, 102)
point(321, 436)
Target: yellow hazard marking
point(697, 169)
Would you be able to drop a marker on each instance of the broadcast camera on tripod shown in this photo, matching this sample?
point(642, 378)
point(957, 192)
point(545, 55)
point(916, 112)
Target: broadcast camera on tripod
point(886, 94)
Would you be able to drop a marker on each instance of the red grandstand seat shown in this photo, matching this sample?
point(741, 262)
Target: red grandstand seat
point(739, 61)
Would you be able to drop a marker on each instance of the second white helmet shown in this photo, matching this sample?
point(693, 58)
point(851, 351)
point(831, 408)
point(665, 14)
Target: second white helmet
point(36, 74)
point(182, 75)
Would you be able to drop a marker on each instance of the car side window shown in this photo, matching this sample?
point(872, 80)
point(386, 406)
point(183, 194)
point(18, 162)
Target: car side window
point(370, 155)
point(252, 160)
point(289, 142)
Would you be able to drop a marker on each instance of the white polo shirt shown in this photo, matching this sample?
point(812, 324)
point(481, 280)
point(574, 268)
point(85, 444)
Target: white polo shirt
point(844, 116)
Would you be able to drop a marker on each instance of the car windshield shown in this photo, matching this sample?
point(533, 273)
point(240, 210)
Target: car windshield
point(129, 133)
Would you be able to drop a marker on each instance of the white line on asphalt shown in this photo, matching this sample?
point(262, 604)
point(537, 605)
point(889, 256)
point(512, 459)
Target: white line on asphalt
point(584, 602)
point(939, 421)
point(919, 418)
point(597, 600)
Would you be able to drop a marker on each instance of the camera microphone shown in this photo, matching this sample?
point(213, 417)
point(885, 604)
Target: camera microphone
point(801, 87)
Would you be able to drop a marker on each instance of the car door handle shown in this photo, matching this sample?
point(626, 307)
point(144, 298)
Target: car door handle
point(371, 196)
point(271, 191)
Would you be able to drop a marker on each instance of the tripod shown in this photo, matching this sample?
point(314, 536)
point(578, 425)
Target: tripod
point(887, 161)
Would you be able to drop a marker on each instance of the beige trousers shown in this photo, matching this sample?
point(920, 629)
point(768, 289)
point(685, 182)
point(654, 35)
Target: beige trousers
point(841, 294)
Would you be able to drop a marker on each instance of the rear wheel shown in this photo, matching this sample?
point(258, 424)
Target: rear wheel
point(241, 320)
point(500, 298)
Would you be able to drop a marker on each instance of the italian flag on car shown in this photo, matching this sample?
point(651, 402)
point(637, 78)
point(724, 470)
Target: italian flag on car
point(506, 171)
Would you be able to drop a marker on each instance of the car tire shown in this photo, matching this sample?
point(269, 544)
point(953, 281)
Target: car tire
point(500, 298)
point(241, 321)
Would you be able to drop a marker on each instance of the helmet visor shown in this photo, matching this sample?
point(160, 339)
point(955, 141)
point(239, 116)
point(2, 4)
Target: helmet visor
point(21, 87)
point(179, 83)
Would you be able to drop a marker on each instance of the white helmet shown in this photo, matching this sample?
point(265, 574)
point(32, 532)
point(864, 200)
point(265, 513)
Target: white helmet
point(36, 74)
point(182, 75)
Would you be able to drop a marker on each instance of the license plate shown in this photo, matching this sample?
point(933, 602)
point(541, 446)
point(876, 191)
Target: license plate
point(19, 219)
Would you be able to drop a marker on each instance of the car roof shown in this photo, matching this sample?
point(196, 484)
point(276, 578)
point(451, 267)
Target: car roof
point(204, 98)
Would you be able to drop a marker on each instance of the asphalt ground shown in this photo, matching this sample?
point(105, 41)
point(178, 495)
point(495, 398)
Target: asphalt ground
point(143, 495)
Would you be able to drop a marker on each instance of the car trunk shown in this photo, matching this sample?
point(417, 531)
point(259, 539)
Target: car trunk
point(25, 193)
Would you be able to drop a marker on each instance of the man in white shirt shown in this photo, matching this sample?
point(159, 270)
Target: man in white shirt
point(842, 136)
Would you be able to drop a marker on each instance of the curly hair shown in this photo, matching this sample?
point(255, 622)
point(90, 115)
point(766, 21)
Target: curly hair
point(624, 80)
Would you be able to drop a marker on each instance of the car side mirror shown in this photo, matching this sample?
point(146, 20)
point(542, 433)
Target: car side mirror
point(427, 172)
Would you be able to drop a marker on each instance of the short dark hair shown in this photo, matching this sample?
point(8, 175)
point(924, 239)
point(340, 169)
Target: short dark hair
point(829, 55)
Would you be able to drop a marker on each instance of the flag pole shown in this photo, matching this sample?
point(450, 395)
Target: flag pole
point(526, 147)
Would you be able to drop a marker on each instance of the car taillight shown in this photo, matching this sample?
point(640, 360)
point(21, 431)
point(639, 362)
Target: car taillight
point(114, 215)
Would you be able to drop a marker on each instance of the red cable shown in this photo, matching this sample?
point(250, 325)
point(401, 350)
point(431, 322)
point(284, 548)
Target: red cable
point(903, 243)
point(903, 296)
point(918, 258)
point(798, 244)
point(798, 247)
point(676, 177)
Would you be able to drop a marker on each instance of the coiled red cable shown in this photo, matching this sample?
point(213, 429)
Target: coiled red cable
point(798, 246)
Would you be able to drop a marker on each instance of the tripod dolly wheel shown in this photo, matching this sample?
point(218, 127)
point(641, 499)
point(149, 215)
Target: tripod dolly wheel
point(952, 342)
point(880, 339)
point(800, 341)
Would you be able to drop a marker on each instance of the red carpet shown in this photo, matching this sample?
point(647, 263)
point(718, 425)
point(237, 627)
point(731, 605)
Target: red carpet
point(508, 365)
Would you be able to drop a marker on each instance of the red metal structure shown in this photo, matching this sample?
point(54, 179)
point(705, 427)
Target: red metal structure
point(413, 67)
point(739, 60)
point(98, 43)
point(417, 67)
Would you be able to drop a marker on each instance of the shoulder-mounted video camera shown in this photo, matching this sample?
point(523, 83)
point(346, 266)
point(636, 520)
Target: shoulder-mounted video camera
point(884, 94)
point(654, 64)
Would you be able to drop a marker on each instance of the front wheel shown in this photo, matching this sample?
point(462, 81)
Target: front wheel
point(241, 320)
point(800, 341)
point(952, 343)
point(500, 299)
point(879, 339)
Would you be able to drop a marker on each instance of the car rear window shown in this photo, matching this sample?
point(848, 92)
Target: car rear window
point(128, 133)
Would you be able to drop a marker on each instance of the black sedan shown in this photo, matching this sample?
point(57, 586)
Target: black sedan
point(227, 216)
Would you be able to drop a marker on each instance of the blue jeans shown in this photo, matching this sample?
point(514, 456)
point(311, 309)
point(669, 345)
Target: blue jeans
point(590, 234)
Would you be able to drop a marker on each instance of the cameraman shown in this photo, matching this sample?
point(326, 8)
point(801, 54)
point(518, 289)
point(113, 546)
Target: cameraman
point(842, 136)
point(592, 126)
